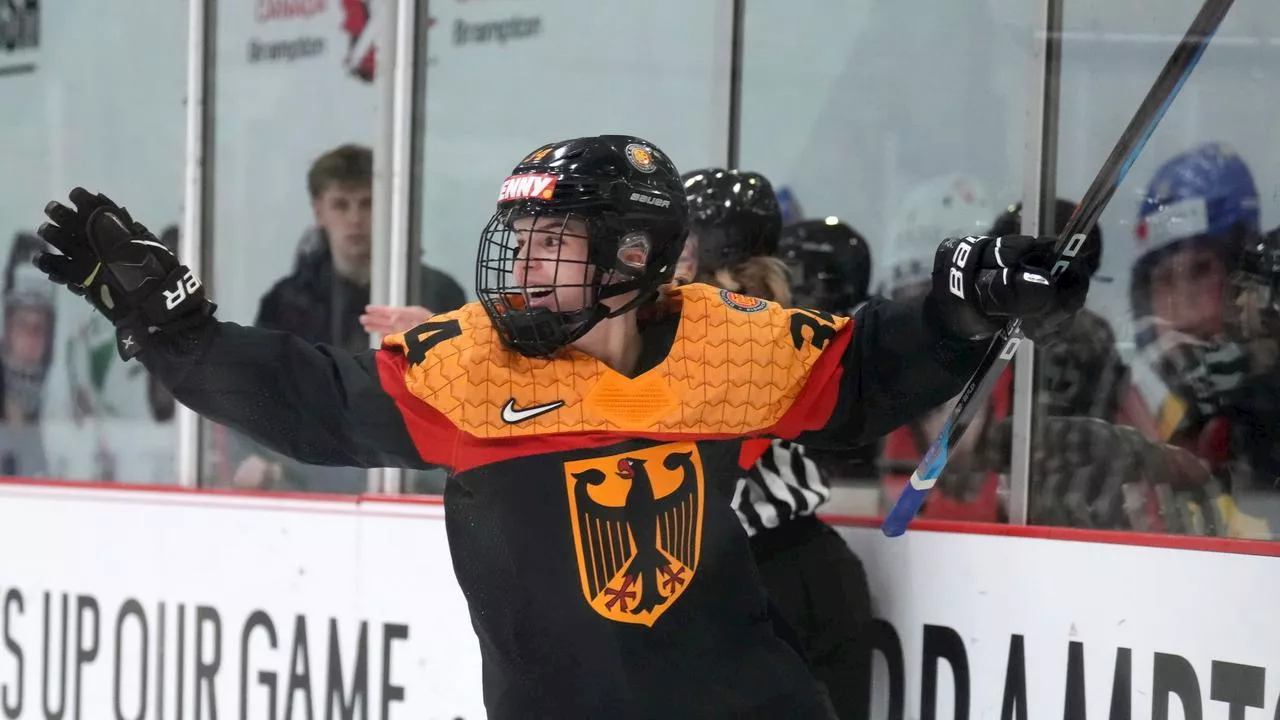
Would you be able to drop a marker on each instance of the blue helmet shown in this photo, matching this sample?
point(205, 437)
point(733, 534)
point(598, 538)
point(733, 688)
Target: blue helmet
point(789, 204)
point(1204, 196)
point(1206, 191)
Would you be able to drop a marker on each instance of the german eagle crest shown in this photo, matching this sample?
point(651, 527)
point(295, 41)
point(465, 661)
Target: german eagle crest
point(637, 528)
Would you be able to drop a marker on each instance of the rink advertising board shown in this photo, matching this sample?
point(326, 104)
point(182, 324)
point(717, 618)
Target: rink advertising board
point(169, 603)
point(182, 605)
point(986, 626)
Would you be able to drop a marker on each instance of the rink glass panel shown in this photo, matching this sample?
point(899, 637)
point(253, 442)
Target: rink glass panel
point(81, 106)
point(502, 81)
point(291, 82)
point(907, 122)
point(867, 112)
point(1160, 360)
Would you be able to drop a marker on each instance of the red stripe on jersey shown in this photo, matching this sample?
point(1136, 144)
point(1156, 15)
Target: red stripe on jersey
point(752, 451)
point(432, 433)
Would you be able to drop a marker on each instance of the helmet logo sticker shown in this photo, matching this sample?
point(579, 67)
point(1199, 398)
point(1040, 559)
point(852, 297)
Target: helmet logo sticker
point(641, 158)
point(540, 153)
point(522, 187)
point(1181, 219)
point(742, 303)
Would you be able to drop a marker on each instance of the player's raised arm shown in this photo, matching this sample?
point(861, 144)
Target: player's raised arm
point(900, 360)
point(315, 403)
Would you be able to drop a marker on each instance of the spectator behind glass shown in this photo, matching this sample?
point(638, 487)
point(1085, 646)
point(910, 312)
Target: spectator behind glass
point(327, 292)
point(26, 351)
point(951, 205)
point(121, 418)
point(1080, 370)
point(326, 297)
point(1200, 209)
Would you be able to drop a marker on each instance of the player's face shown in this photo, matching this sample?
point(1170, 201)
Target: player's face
point(687, 265)
point(1187, 290)
point(346, 214)
point(27, 333)
point(551, 262)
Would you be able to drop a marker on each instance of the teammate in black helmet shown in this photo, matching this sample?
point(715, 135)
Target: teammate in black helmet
point(733, 215)
point(817, 583)
point(830, 264)
point(584, 418)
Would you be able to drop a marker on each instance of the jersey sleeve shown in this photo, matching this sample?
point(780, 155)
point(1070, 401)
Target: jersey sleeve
point(314, 403)
point(889, 366)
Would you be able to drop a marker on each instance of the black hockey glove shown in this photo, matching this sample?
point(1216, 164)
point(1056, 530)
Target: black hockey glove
point(121, 269)
point(980, 283)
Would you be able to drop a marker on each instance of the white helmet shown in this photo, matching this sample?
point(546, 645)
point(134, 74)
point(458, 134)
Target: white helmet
point(941, 207)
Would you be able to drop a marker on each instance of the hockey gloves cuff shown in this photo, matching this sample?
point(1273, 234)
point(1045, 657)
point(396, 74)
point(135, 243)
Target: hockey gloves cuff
point(121, 269)
point(980, 283)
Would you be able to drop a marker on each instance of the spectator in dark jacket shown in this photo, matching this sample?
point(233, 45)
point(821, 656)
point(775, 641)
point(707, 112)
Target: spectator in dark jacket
point(325, 299)
point(325, 296)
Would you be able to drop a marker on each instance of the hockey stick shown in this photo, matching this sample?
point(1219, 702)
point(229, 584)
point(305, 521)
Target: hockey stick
point(1070, 241)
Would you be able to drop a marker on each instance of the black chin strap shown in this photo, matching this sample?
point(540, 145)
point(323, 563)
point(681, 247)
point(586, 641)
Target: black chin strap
point(642, 283)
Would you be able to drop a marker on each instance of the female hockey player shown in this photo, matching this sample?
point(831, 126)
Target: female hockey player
point(817, 584)
point(581, 419)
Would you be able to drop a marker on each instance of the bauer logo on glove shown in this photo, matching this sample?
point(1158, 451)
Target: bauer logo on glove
point(982, 282)
point(121, 269)
point(186, 286)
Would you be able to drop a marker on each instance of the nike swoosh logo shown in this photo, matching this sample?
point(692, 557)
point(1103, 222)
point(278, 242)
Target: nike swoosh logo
point(511, 415)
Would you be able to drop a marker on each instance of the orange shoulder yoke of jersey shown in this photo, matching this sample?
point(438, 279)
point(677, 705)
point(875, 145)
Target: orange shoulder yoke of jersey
point(736, 367)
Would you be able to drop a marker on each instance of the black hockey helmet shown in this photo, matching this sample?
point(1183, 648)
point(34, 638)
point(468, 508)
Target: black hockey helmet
point(1010, 223)
point(627, 196)
point(734, 214)
point(830, 264)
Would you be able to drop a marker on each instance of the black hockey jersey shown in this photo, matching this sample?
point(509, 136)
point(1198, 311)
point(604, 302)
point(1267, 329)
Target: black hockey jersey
point(587, 511)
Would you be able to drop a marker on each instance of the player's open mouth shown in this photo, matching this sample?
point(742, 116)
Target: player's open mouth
point(541, 298)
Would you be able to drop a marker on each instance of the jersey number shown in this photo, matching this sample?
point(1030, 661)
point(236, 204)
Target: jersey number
point(421, 339)
point(819, 324)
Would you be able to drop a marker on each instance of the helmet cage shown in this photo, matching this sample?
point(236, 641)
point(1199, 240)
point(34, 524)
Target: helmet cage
point(618, 261)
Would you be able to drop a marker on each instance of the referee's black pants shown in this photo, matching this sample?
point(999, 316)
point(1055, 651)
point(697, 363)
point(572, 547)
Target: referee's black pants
point(820, 589)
